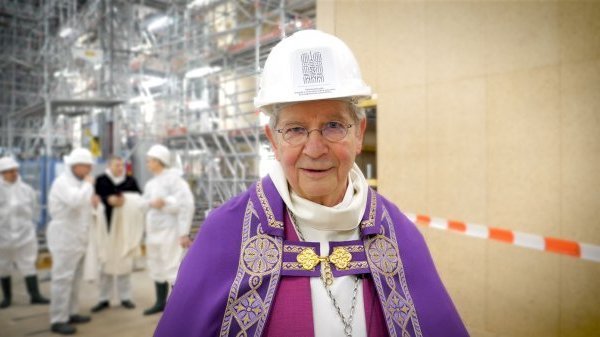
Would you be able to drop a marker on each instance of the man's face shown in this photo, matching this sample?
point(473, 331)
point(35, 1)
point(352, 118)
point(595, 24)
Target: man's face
point(317, 169)
point(81, 170)
point(154, 165)
point(116, 167)
point(10, 176)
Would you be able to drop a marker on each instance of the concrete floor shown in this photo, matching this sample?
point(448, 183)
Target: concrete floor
point(22, 319)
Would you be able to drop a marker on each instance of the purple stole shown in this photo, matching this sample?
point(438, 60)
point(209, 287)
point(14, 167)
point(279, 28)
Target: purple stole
point(243, 278)
point(297, 319)
point(265, 256)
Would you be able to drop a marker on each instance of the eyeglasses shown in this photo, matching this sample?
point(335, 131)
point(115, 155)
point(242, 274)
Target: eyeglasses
point(332, 131)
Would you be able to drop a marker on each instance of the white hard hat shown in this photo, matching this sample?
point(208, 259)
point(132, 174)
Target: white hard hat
point(79, 156)
point(161, 153)
point(8, 163)
point(310, 65)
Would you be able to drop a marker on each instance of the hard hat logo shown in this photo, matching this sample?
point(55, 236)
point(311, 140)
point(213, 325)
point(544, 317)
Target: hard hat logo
point(313, 72)
point(310, 65)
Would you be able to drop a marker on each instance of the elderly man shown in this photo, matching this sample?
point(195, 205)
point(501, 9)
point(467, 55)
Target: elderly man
point(310, 250)
point(111, 187)
point(70, 202)
point(18, 242)
point(170, 207)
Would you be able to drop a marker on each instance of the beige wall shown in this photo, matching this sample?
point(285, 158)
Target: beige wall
point(489, 112)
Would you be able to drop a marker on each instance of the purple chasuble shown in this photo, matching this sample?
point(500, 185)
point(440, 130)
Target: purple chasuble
point(292, 313)
point(234, 277)
point(292, 308)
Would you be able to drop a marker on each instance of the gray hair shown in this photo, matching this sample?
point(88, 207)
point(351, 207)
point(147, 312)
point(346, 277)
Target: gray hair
point(356, 112)
point(115, 157)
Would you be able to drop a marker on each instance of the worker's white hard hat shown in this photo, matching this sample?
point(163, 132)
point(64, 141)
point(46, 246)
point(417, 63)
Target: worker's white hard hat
point(310, 65)
point(79, 156)
point(161, 153)
point(8, 163)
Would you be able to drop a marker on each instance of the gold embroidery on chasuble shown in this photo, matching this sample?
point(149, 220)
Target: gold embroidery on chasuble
point(258, 272)
point(383, 255)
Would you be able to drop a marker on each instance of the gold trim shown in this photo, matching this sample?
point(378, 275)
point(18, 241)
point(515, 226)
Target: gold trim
point(272, 222)
point(371, 221)
point(292, 266)
point(355, 248)
point(260, 255)
point(293, 249)
point(260, 260)
point(383, 255)
point(358, 265)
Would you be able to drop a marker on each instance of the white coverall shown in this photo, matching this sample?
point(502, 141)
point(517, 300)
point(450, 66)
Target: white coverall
point(165, 226)
point(71, 211)
point(18, 244)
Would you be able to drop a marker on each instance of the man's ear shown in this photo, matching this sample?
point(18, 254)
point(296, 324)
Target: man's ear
point(362, 128)
point(271, 138)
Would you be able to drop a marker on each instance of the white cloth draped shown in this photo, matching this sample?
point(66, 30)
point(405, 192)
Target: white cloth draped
point(113, 252)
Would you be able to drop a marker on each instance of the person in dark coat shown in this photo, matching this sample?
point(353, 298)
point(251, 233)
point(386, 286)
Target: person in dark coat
point(110, 187)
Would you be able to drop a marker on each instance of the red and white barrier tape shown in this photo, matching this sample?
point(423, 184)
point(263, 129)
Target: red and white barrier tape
point(549, 244)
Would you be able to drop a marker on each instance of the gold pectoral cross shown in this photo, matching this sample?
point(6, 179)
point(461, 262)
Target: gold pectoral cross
point(340, 257)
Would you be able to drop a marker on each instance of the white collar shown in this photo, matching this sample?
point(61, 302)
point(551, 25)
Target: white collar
point(342, 217)
point(115, 180)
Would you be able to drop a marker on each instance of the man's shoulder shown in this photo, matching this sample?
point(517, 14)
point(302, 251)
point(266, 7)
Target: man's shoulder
point(394, 212)
point(130, 179)
point(102, 179)
point(59, 183)
point(152, 180)
point(236, 204)
point(24, 186)
point(170, 178)
point(60, 179)
point(230, 213)
point(129, 183)
point(386, 202)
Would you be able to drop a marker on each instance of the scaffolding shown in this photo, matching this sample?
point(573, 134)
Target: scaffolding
point(62, 79)
point(21, 38)
point(127, 74)
point(218, 133)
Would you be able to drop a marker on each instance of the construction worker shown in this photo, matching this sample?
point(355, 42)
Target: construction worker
point(18, 242)
point(310, 250)
point(71, 202)
point(170, 208)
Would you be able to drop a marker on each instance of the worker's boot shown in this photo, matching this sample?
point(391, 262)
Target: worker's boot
point(31, 282)
point(7, 291)
point(101, 306)
point(63, 328)
point(79, 319)
point(162, 290)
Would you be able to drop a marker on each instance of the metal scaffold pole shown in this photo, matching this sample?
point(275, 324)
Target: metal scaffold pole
point(47, 103)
